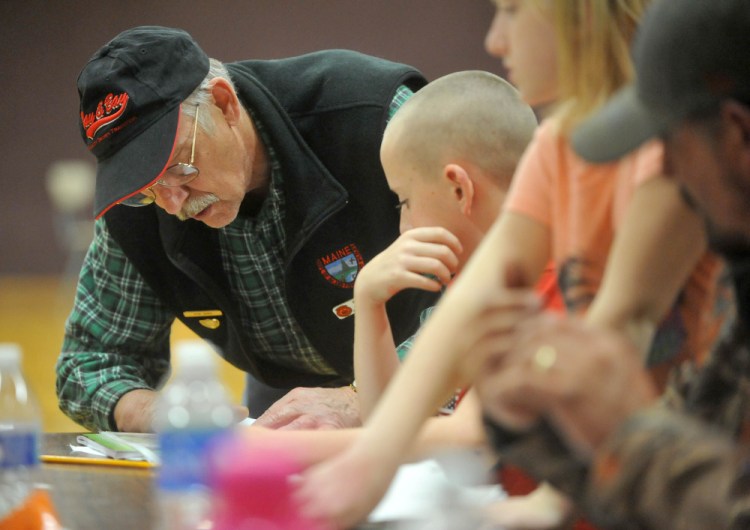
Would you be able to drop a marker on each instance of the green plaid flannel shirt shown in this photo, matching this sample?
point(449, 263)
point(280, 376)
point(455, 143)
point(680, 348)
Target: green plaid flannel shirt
point(117, 335)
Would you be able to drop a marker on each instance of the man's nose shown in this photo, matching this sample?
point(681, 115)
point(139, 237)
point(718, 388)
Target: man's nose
point(171, 199)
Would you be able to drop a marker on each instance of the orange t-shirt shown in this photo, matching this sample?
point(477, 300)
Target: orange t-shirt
point(583, 205)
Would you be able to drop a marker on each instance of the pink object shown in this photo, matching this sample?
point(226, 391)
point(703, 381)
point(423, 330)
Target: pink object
point(251, 487)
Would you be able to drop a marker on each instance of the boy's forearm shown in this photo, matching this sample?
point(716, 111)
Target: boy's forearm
point(462, 429)
point(419, 387)
point(375, 359)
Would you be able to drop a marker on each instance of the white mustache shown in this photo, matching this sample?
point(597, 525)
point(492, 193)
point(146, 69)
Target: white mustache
point(196, 205)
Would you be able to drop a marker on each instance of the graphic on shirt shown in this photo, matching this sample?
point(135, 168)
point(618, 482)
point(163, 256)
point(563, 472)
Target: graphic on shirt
point(578, 283)
point(341, 266)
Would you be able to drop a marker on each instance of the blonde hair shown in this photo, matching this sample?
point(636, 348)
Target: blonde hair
point(471, 116)
point(593, 42)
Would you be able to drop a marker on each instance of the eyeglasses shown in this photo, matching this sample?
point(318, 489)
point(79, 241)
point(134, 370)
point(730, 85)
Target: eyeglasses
point(175, 175)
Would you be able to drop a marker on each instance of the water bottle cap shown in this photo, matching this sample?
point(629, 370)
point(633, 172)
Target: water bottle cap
point(195, 355)
point(10, 354)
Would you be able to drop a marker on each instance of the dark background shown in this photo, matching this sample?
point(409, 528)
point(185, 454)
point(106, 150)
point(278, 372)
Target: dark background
point(44, 44)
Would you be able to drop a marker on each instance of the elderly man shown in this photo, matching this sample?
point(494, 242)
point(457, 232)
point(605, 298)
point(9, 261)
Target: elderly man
point(259, 196)
point(633, 463)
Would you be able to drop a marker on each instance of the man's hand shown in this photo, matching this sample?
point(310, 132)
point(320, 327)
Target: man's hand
point(135, 411)
point(313, 408)
point(407, 262)
point(586, 381)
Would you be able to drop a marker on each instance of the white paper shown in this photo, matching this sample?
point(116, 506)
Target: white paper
point(86, 450)
point(418, 488)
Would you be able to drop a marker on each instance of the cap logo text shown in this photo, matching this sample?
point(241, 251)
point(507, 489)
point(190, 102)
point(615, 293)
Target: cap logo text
point(107, 111)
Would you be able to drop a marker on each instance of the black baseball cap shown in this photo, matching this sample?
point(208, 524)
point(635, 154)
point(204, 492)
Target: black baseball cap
point(131, 91)
point(689, 55)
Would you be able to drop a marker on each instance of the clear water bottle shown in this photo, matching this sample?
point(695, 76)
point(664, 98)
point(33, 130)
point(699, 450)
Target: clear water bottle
point(194, 409)
point(20, 430)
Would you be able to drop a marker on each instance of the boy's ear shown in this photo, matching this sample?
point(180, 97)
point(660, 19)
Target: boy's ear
point(462, 187)
point(226, 100)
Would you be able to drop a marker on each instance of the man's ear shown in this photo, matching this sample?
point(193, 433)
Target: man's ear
point(462, 187)
point(226, 99)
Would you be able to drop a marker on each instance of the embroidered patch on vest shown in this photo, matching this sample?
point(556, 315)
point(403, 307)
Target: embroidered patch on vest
point(341, 266)
point(344, 310)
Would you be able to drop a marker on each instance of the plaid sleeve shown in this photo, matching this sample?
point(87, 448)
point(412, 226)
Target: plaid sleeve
point(662, 469)
point(669, 471)
point(116, 337)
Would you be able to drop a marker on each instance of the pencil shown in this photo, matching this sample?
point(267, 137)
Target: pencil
point(55, 459)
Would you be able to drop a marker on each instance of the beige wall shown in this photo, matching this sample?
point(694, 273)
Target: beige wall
point(44, 44)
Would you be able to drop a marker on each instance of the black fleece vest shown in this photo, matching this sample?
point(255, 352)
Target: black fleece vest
point(324, 114)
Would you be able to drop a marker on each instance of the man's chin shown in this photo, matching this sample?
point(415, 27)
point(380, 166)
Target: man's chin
point(217, 217)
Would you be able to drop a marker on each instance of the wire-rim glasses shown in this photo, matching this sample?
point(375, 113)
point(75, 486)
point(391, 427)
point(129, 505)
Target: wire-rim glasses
point(174, 176)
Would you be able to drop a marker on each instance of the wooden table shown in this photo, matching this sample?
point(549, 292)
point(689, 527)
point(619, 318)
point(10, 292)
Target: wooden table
point(93, 497)
point(89, 497)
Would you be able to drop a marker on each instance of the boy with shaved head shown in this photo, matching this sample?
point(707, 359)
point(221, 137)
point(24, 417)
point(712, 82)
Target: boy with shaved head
point(449, 154)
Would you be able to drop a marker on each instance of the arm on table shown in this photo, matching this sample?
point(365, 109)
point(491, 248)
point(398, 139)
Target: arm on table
point(116, 338)
point(313, 408)
point(462, 429)
point(135, 411)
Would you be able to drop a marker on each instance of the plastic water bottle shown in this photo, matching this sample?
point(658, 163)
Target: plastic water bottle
point(194, 408)
point(20, 429)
